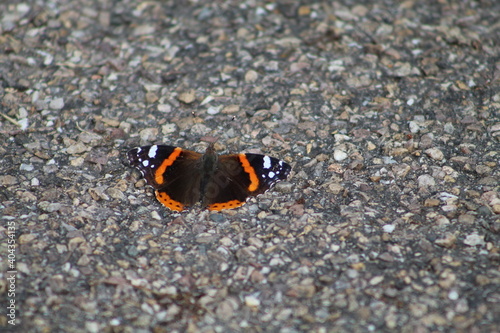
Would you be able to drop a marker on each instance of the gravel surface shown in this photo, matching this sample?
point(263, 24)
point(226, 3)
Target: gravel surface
point(387, 112)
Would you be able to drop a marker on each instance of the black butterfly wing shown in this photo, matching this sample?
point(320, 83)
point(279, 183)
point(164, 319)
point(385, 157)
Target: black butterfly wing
point(172, 171)
point(269, 171)
point(240, 176)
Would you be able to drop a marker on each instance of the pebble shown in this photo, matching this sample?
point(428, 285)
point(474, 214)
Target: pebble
point(77, 148)
point(425, 181)
point(252, 301)
point(56, 104)
point(168, 128)
point(339, 155)
point(483, 169)
point(251, 76)
point(26, 238)
point(376, 280)
point(271, 66)
point(453, 295)
point(23, 123)
point(388, 228)
point(151, 97)
point(466, 219)
point(448, 241)
point(449, 128)
point(92, 327)
point(401, 170)
point(474, 240)
point(148, 134)
point(435, 154)
point(462, 306)
point(167, 108)
point(226, 241)
point(233, 108)
point(370, 146)
point(26, 167)
point(442, 220)
point(217, 218)
point(144, 29)
point(187, 97)
point(431, 202)
point(115, 193)
point(77, 162)
point(225, 309)
point(413, 126)
point(53, 207)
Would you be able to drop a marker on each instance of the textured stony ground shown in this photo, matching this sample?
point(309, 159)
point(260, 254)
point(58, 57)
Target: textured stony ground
point(388, 113)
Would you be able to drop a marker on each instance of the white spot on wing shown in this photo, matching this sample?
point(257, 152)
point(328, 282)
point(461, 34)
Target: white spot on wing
point(152, 151)
point(145, 163)
point(267, 162)
point(139, 150)
point(271, 174)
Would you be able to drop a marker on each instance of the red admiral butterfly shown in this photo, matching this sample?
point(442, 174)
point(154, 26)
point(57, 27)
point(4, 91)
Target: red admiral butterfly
point(182, 177)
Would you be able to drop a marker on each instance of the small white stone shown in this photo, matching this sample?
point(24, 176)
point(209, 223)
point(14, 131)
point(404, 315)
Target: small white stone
point(92, 327)
point(26, 167)
point(23, 113)
point(164, 108)
point(23, 123)
point(252, 301)
point(47, 57)
point(474, 240)
point(115, 322)
point(339, 155)
point(207, 100)
point(376, 280)
point(57, 104)
point(214, 109)
point(453, 295)
point(389, 228)
point(414, 128)
point(22, 8)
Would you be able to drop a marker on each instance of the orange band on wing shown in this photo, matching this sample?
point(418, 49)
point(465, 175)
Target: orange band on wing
point(254, 180)
point(226, 205)
point(165, 164)
point(165, 199)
